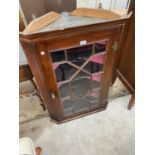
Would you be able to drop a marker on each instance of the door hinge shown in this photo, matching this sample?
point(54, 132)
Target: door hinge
point(115, 46)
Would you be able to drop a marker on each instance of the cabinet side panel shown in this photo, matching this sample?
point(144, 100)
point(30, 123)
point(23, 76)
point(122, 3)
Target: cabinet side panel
point(127, 61)
point(51, 84)
point(33, 61)
point(111, 57)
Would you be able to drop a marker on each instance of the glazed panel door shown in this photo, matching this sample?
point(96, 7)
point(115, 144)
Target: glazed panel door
point(78, 70)
point(79, 73)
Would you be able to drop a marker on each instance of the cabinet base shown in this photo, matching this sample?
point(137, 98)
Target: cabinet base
point(79, 115)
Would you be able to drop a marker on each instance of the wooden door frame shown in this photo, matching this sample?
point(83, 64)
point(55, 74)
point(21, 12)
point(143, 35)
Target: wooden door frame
point(113, 34)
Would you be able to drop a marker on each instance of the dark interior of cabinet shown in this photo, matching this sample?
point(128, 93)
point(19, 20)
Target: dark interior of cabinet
point(78, 72)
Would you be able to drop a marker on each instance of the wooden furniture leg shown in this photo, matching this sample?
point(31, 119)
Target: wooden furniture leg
point(131, 102)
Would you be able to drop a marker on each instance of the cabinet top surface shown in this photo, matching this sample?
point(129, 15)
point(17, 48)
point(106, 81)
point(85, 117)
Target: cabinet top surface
point(66, 21)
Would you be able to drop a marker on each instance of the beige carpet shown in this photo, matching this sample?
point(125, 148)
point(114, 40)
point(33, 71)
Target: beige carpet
point(109, 132)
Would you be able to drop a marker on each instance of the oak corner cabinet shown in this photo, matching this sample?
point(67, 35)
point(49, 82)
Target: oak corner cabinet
point(73, 67)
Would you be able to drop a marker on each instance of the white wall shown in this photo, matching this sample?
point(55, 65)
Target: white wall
point(107, 4)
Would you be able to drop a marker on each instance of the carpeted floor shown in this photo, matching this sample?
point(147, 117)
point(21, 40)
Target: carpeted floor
point(109, 132)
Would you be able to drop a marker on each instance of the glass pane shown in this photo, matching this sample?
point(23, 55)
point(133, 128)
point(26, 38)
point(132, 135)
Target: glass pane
point(79, 55)
point(65, 90)
point(93, 67)
point(68, 106)
point(79, 74)
point(79, 52)
point(81, 106)
point(100, 46)
point(58, 56)
point(63, 71)
point(80, 87)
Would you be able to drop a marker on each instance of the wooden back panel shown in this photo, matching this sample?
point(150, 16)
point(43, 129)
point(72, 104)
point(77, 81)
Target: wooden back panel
point(127, 61)
point(60, 5)
point(41, 7)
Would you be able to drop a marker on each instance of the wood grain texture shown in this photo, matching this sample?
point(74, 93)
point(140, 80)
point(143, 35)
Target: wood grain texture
point(33, 7)
point(21, 23)
point(41, 65)
point(41, 22)
point(132, 101)
point(50, 82)
point(60, 5)
point(96, 13)
point(30, 52)
point(45, 36)
point(38, 8)
point(126, 61)
point(109, 67)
